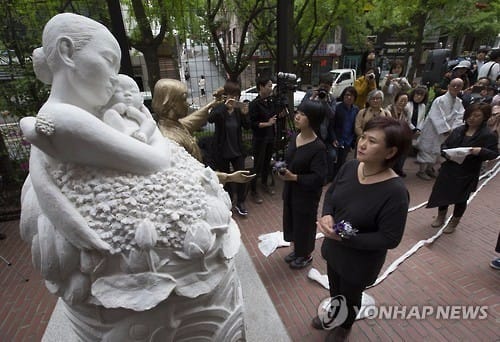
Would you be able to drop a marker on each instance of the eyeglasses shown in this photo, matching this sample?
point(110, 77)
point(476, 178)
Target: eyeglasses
point(456, 86)
point(376, 98)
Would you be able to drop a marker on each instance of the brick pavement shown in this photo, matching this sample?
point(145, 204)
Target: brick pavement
point(453, 270)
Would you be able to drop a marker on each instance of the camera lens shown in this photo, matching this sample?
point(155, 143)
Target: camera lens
point(322, 93)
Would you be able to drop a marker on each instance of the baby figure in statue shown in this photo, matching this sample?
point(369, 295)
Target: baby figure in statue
point(135, 238)
point(127, 101)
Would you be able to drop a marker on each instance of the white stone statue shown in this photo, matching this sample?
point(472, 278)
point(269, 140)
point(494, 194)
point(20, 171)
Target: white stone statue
point(127, 103)
point(133, 233)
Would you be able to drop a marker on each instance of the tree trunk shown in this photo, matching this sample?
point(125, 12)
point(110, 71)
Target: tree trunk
point(152, 63)
point(417, 53)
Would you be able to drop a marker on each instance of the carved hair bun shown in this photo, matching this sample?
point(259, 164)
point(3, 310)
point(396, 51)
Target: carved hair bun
point(41, 67)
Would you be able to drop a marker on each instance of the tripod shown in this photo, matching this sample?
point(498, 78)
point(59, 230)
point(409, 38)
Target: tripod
point(17, 272)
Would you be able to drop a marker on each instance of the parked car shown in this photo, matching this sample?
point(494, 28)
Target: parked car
point(249, 94)
point(342, 78)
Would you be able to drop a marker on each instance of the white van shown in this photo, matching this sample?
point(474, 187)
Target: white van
point(342, 78)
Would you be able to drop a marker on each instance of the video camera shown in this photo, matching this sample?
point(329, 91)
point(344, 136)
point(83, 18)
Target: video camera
point(286, 84)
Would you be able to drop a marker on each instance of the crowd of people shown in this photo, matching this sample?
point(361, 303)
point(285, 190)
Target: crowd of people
point(381, 120)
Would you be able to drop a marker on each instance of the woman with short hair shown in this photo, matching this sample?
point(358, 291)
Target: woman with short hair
point(368, 196)
point(373, 109)
point(303, 176)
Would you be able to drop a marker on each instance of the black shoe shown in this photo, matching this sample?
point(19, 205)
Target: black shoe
point(301, 262)
point(256, 198)
point(290, 257)
point(2, 236)
point(316, 323)
point(240, 208)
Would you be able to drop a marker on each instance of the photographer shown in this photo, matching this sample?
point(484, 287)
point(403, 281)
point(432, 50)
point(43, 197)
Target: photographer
point(263, 112)
point(394, 82)
point(363, 85)
point(326, 130)
point(230, 118)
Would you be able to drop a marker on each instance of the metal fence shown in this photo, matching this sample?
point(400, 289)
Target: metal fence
point(14, 165)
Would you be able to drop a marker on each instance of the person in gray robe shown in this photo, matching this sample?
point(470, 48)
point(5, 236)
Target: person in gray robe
point(445, 114)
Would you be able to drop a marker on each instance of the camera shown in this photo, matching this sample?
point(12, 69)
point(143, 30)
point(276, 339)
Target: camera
point(371, 76)
point(322, 93)
point(287, 76)
point(282, 171)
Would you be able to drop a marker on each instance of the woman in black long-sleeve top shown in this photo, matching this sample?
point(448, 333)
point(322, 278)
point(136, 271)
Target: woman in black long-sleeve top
point(304, 176)
point(369, 195)
point(455, 182)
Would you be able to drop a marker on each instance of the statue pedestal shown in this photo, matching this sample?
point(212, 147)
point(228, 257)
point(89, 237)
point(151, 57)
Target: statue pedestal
point(261, 318)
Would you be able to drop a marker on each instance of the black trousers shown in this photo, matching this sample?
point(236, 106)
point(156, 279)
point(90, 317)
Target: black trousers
point(262, 153)
point(341, 158)
point(238, 164)
point(299, 227)
point(351, 292)
point(400, 162)
point(458, 210)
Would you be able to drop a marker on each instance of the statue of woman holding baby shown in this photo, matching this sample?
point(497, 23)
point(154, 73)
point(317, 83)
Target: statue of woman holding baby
point(134, 235)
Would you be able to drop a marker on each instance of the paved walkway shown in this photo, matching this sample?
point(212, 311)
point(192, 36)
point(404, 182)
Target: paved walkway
point(452, 271)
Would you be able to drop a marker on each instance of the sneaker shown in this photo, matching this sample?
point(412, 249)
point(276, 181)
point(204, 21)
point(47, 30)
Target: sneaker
point(301, 262)
point(423, 175)
point(495, 263)
point(256, 198)
point(241, 209)
point(290, 257)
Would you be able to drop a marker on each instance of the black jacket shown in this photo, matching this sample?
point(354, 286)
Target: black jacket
point(218, 116)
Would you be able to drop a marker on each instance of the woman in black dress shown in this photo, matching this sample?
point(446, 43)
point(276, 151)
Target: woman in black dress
point(455, 182)
point(370, 196)
point(304, 176)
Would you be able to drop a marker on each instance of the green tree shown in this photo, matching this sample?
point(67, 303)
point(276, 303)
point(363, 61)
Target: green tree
point(413, 20)
point(22, 23)
point(218, 15)
point(154, 22)
point(316, 20)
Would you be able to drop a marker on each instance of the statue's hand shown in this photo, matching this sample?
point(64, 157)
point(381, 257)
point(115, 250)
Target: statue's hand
point(121, 108)
point(136, 114)
point(240, 177)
